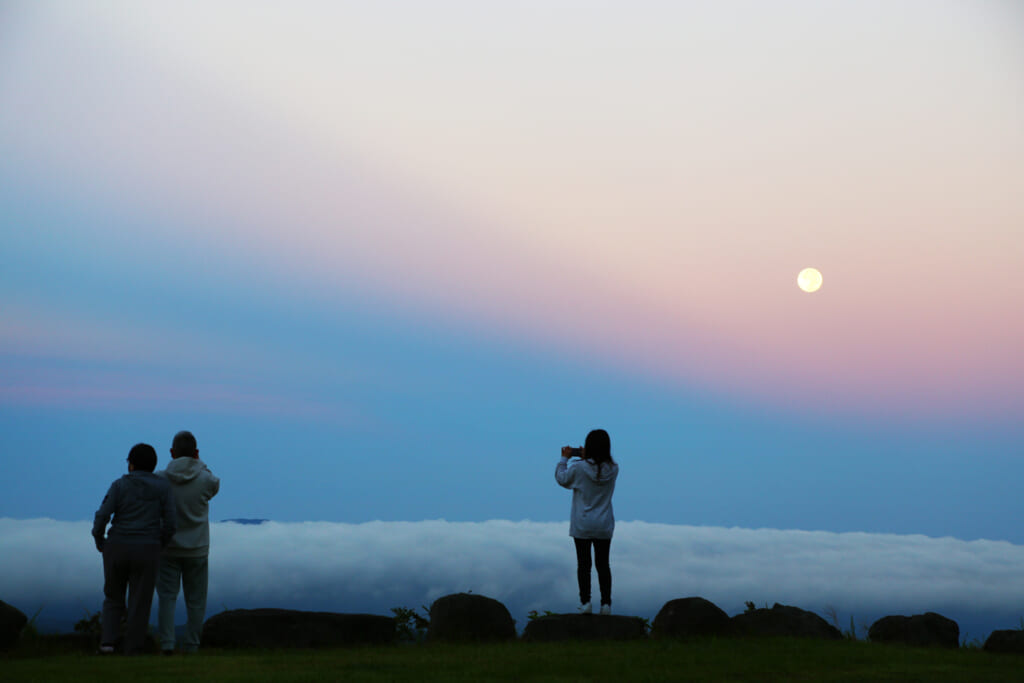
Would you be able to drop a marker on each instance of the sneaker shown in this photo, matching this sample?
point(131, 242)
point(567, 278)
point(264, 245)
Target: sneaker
point(606, 609)
point(585, 608)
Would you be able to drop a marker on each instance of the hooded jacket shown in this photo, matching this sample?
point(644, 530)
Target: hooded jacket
point(193, 485)
point(143, 510)
point(592, 515)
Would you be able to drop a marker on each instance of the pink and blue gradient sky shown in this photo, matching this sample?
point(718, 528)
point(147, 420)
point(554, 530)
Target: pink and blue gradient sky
point(413, 248)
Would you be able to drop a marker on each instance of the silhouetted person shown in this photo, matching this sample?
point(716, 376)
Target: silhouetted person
point(592, 521)
point(143, 509)
point(185, 561)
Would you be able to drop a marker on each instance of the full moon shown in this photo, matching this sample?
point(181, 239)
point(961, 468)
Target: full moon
point(809, 279)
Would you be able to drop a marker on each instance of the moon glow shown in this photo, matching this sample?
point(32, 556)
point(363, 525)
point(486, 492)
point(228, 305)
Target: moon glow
point(809, 279)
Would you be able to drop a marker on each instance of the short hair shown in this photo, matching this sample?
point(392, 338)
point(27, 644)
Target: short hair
point(142, 456)
point(184, 443)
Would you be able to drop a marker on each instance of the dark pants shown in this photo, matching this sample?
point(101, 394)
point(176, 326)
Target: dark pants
point(130, 566)
point(602, 546)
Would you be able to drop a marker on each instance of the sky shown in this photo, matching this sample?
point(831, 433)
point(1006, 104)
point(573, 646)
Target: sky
point(385, 259)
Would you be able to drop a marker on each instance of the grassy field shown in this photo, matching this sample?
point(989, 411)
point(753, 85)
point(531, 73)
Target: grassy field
point(710, 660)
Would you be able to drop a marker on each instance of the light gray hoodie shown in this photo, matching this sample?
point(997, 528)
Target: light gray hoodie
point(592, 515)
point(193, 485)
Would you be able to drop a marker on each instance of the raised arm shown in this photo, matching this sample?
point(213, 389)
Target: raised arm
point(213, 486)
point(563, 475)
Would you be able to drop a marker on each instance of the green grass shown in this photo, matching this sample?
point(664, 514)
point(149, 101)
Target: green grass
point(708, 660)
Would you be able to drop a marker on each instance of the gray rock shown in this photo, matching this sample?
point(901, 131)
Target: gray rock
point(277, 628)
point(691, 617)
point(470, 617)
point(12, 620)
point(1011, 641)
point(784, 620)
point(926, 630)
point(555, 627)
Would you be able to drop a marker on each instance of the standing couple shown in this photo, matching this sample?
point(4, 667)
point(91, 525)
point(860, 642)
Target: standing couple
point(160, 535)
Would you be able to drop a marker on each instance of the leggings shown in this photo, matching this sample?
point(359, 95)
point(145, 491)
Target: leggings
point(604, 571)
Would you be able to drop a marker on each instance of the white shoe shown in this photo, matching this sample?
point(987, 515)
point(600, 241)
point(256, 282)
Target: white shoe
point(606, 609)
point(585, 608)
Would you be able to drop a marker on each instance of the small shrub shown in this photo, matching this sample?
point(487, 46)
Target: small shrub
point(89, 625)
point(410, 626)
point(752, 607)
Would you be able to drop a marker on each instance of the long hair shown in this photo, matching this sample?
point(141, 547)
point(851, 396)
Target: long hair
point(598, 449)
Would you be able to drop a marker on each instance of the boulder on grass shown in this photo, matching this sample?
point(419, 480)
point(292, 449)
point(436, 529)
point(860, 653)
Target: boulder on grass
point(691, 617)
point(784, 620)
point(1011, 641)
point(555, 627)
point(465, 616)
point(12, 620)
point(925, 630)
point(277, 628)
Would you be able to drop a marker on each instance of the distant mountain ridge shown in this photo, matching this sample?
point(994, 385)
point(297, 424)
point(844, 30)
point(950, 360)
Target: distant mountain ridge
point(242, 520)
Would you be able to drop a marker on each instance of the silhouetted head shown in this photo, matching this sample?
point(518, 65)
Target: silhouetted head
point(142, 457)
point(184, 445)
point(598, 447)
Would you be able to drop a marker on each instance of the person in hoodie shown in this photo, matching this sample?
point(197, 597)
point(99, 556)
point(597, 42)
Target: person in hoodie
point(184, 562)
point(592, 520)
point(142, 506)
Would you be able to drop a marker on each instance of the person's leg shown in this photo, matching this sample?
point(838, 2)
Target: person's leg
point(195, 577)
point(168, 582)
point(602, 549)
point(115, 582)
point(583, 568)
point(145, 560)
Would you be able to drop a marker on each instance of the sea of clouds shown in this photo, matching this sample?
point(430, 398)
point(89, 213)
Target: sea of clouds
point(51, 567)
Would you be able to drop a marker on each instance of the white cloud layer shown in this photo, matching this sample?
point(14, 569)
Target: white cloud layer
point(375, 566)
